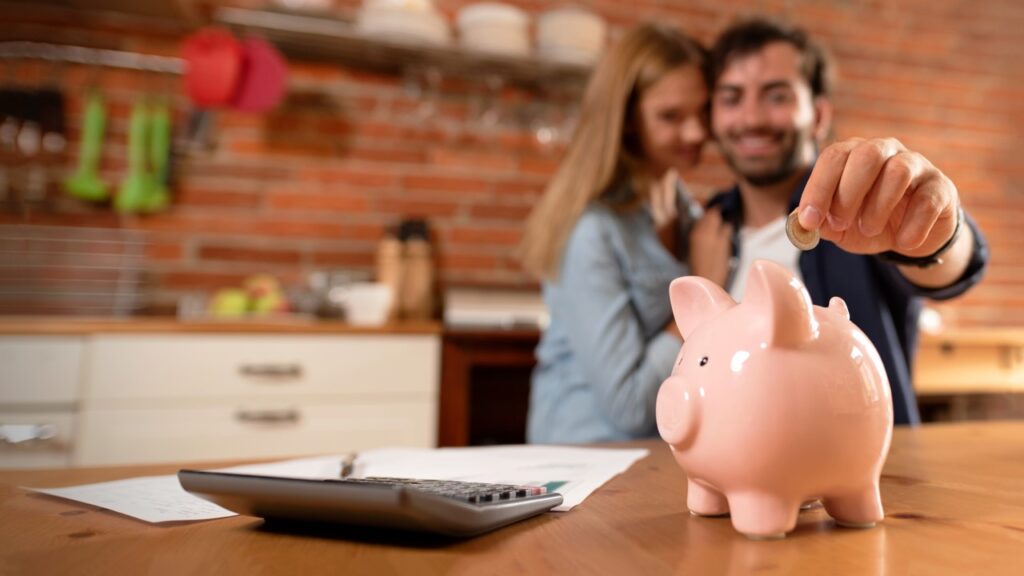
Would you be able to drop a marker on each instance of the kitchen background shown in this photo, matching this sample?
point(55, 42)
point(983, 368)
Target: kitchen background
point(354, 149)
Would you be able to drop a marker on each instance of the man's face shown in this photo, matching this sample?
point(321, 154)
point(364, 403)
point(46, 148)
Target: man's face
point(764, 117)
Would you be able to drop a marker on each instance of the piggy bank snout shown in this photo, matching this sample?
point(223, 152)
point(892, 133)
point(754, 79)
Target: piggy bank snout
point(677, 414)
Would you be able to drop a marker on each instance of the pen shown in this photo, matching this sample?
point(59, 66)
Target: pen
point(348, 465)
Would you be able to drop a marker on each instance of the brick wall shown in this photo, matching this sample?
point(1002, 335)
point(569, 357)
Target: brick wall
point(317, 182)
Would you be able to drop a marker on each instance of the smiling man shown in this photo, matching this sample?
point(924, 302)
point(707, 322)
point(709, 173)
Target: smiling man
point(892, 226)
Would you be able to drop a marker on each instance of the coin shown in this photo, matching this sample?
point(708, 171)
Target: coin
point(799, 236)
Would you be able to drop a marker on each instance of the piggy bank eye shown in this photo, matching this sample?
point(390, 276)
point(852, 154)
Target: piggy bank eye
point(703, 360)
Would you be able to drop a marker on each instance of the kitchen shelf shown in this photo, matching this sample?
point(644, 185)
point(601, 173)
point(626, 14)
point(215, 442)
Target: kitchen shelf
point(327, 38)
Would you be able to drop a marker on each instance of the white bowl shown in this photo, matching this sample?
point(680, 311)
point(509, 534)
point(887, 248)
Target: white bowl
point(365, 303)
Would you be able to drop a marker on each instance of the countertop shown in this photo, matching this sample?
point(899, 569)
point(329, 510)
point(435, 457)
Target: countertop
point(71, 325)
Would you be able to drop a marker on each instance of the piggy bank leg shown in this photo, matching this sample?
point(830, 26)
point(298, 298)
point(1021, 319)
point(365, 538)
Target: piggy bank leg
point(763, 516)
point(860, 509)
point(705, 501)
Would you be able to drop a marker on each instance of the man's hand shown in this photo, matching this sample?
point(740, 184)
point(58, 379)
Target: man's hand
point(870, 196)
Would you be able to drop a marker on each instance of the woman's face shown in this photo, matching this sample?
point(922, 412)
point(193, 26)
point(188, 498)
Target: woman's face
point(670, 118)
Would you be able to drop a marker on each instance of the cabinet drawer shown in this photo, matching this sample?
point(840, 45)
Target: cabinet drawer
point(202, 366)
point(955, 369)
point(36, 439)
point(252, 429)
point(40, 369)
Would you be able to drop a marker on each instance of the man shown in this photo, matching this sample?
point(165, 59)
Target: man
point(891, 225)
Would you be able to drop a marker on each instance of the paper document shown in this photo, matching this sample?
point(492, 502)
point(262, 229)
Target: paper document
point(572, 472)
point(149, 498)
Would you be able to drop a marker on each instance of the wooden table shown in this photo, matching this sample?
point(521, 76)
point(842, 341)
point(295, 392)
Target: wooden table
point(954, 496)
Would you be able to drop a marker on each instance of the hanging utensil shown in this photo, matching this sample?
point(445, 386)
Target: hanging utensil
point(133, 195)
point(159, 156)
point(262, 85)
point(85, 182)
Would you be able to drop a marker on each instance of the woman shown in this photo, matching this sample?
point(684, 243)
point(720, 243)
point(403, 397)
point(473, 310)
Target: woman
point(594, 241)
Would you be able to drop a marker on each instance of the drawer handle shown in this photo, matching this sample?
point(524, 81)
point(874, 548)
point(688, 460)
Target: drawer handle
point(271, 370)
point(21, 433)
point(286, 416)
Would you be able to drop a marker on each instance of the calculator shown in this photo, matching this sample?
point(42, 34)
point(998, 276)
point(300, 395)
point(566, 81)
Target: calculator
point(448, 507)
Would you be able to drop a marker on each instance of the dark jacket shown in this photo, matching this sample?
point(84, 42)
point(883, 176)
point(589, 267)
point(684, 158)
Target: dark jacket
point(882, 302)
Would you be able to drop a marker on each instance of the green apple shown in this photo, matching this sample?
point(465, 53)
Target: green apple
point(273, 303)
point(229, 302)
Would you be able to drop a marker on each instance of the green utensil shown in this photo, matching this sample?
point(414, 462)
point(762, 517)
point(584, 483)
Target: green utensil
point(133, 195)
point(159, 156)
point(85, 183)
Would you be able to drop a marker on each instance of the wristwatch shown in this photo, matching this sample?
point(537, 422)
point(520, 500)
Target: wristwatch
point(931, 259)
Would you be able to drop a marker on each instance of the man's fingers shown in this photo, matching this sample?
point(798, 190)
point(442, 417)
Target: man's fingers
point(864, 165)
point(923, 210)
point(823, 184)
point(896, 177)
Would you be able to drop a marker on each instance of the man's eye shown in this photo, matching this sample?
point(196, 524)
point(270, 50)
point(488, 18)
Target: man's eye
point(727, 100)
point(703, 360)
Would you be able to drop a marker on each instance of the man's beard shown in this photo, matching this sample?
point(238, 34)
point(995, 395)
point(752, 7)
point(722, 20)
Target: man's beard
point(788, 164)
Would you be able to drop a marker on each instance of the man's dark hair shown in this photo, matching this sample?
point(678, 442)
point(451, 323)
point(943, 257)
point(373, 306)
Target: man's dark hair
point(753, 34)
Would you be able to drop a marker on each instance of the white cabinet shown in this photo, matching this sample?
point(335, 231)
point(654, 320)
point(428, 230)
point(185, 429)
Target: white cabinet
point(122, 398)
point(40, 385)
point(155, 398)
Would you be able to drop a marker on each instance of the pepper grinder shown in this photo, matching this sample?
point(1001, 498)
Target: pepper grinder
point(418, 281)
point(390, 271)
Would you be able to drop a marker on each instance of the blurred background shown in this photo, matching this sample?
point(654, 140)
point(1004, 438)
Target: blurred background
point(188, 160)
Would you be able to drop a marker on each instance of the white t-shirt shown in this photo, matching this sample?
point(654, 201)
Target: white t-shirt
point(768, 242)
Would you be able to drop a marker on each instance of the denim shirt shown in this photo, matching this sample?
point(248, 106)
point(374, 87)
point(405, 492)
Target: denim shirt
point(606, 352)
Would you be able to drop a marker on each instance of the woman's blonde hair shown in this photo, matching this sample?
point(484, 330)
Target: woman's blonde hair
point(605, 151)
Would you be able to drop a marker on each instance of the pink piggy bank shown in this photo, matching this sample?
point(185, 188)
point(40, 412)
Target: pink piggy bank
point(774, 402)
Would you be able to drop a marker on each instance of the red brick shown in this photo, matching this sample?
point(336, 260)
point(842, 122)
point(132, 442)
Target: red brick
point(219, 196)
point(539, 165)
point(258, 171)
point(518, 188)
point(195, 279)
point(348, 258)
point(483, 236)
point(316, 148)
point(414, 207)
point(347, 176)
point(470, 159)
point(164, 251)
point(327, 201)
point(444, 183)
point(378, 130)
point(388, 155)
point(498, 211)
point(294, 228)
point(314, 71)
point(449, 261)
point(248, 254)
point(519, 141)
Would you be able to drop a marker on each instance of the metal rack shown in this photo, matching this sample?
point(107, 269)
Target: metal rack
point(339, 41)
point(67, 270)
point(91, 57)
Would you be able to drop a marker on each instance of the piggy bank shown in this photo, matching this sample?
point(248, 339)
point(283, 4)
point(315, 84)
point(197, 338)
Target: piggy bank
point(774, 402)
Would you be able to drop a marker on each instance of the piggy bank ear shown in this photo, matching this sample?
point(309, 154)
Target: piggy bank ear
point(838, 305)
point(785, 316)
point(694, 300)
